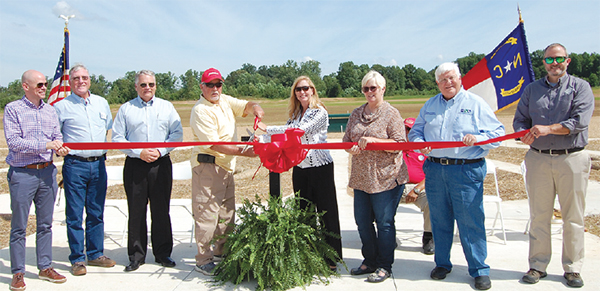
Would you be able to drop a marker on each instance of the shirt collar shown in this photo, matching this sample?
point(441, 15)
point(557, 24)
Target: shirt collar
point(560, 80)
point(30, 104)
point(144, 103)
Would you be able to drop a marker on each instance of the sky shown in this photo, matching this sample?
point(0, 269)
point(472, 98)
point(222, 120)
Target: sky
point(112, 37)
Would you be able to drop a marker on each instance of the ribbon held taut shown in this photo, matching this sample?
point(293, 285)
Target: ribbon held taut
point(286, 150)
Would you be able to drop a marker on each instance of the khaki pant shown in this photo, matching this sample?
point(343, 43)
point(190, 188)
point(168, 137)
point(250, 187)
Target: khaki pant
point(213, 203)
point(548, 176)
point(424, 206)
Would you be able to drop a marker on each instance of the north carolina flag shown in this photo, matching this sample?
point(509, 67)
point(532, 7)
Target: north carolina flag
point(60, 85)
point(503, 74)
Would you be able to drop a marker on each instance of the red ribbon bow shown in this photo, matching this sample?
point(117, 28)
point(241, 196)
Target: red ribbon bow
point(283, 152)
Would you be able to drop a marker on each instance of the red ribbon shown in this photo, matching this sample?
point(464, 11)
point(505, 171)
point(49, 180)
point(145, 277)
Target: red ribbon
point(286, 150)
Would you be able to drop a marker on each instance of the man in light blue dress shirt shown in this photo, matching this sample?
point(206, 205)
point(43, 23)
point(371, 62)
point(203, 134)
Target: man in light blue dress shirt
point(454, 176)
point(84, 117)
point(147, 175)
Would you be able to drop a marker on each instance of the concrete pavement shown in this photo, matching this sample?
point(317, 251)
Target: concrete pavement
point(411, 267)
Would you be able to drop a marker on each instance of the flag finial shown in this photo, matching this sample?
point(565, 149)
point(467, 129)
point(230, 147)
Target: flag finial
point(66, 18)
point(519, 10)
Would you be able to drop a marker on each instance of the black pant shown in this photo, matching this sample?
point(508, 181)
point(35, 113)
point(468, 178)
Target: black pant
point(318, 186)
point(145, 182)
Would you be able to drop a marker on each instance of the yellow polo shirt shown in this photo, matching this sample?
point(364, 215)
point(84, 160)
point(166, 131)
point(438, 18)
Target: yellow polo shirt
point(216, 122)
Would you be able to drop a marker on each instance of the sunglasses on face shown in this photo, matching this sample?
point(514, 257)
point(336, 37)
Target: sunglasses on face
point(212, 85)
point(369, 89)
point(559, 60)
point(143, 85)
point(40, 85)
point(303, 88)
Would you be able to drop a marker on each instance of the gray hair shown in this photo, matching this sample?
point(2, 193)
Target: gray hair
point(446, 67)
point(555, 45)
point(78, 67)
point(143, 72)
point(374, 75)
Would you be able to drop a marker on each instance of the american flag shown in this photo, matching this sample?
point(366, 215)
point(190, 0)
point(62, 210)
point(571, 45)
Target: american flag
point(60, 85)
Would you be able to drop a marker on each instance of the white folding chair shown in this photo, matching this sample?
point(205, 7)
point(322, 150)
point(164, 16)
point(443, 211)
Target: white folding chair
point(115, 176)
point(491, 169)
point(183, 171)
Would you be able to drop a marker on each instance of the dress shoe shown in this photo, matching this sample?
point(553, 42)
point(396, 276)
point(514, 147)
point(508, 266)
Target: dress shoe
point(483, 283)
point(166, 262)
point(361, 271)
point(439, 273)
point(133, 265)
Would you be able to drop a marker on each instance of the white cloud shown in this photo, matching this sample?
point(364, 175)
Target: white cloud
point(63, 8)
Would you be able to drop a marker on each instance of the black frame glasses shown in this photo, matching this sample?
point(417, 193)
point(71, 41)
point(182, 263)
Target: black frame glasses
point(559, 60)
point(212, 85)
point(302, 88)
point(151, 85)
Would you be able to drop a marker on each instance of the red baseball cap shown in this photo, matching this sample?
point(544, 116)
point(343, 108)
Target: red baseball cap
point(409, 122)
point(210, 75)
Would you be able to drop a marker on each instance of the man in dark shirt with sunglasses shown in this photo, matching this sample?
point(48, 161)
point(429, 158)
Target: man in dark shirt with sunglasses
point(148, 173)
point(557, 110)
point(213, 189)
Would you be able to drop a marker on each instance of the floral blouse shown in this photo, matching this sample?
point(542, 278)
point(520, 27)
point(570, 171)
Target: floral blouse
point(376, 171)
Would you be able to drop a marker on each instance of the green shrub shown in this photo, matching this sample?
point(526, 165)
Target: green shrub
point(279, 245)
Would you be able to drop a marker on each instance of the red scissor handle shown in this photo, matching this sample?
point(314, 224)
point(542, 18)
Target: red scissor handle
point(256, 121)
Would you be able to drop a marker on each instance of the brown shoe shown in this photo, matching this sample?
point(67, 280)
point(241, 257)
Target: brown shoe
point(78, 269)
point(18, 282)
point(102, 261)
point(49, 274)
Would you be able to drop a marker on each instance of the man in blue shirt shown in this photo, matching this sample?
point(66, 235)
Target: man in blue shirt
point(454, 176)
point(33, 136)
point(557, 109)
point(148, 173)
point(84, 117)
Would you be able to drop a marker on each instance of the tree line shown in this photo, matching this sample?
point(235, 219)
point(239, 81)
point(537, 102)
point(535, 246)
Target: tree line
point(274, 81)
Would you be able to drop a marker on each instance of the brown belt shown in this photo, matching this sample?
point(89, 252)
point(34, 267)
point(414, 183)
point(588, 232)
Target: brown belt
point(38, 166)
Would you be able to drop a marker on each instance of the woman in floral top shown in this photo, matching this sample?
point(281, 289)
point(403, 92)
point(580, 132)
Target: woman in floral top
point(313, 177)
point(377, 177)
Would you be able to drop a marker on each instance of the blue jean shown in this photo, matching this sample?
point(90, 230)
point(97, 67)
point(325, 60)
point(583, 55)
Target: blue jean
point(455, 192)
point(377, 247)
point(85, 187)
point(39, 186)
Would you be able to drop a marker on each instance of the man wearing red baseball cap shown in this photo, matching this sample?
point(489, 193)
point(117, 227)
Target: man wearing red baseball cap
point(213, 197)
point(414, 161)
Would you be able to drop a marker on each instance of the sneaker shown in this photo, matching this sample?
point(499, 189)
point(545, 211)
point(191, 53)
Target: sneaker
point(574, 279)
point(78, 269)
point(533, 276)
point(218, 258)
point(102, 261)
point(49, 274)
point(18, 282)
point(378, 276)
point(206, 269)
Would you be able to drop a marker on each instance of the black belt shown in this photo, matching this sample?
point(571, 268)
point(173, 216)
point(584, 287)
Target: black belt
point(448, 161)
point(88, 159)
point(204, 158)
point(38, 166)
point(557, 152)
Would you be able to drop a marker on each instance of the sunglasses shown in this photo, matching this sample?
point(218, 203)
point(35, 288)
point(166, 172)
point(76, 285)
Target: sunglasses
point(369, 89)
point(212, 85)
point(40, 85)
point(303, 88)
point(559, 60)
point(151, 85)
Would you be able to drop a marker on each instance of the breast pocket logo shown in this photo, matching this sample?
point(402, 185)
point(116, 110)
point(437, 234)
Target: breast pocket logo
point(466, 111)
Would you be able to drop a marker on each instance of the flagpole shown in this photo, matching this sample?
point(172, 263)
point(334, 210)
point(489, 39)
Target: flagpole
point(65, 66)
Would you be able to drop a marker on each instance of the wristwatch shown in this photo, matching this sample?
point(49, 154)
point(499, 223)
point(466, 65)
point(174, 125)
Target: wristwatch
point(417, 191)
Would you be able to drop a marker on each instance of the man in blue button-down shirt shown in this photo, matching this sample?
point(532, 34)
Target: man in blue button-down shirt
point(84, 117)
point(454, 176)
point(147, 175)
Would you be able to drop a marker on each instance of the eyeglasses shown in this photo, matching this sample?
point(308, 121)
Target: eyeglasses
point(82, 78)
point(446, 80)
point(369, 89)
point(212, 85)
point(559, 60)
point(303, 88)
point(40, 85)
point(151, 85)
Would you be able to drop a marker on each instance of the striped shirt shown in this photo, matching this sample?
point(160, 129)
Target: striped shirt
point(27, 129)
